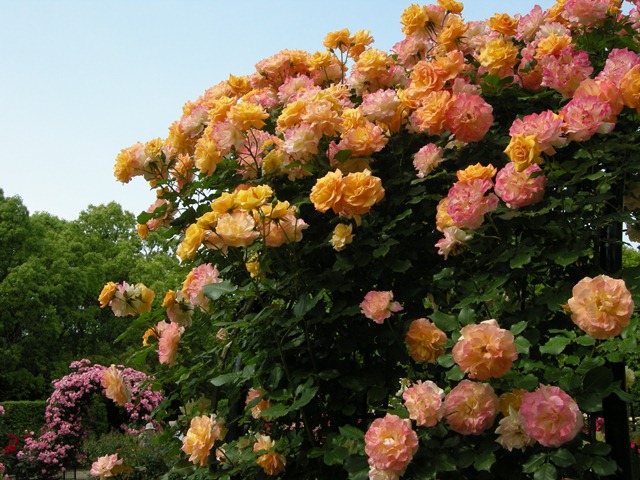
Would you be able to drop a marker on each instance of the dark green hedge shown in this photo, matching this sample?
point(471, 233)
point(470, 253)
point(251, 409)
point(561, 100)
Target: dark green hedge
point(23, 415)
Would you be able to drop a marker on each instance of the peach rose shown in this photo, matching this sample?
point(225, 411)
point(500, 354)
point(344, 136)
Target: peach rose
point(424, 403)
point(202, 434)
point(471, 407)
point(115, 386)
point(425, 341)
point(168, 343)
point(601, 306)
point(379, 306)
point(327, 192)
point(485, 350)
point(237, 229)
point(390, 444)
point(342, 236)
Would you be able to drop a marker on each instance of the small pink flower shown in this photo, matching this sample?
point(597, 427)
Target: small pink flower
point(390, 444)
point(427, 159)
point(619, 62)
point(379, 306)
point(550, 416)
point(469, 117)
point(471, 407)
point(585, 13)
point(566, 70)
point(520, 189)
point(485, 350)
point(454, 239)
point(601, 306)
point(424, 401)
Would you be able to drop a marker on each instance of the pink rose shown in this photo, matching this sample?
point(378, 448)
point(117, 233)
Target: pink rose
point(545, 126)
point(390, 444)
point(103, 466)
point(454, 240)
point(427, 159)
point(585, 13)
point(467, 202)
point(424, 402)
point(584, 116)
point(520, 189)
point(601, 306)
point(471, 407)
point(197, 278)
point(168, 343)
point(550, 416)
point(469, 117)
point(379, 305)
point(565, 70)
point(485, 350)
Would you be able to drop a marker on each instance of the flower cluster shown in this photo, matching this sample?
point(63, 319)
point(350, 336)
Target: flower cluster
point(125, 299)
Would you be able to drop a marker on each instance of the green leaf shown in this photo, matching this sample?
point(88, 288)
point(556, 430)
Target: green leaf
point(598, 379)
point(275, 411)
point(555, 345)
point(563, 458)
point(467, 316)
point(342, 155)
point(304, 395)
point(215, 290)
point(603, 466)
point(305, 303)
point(224, 379)
point(444, 322)
point(484, 462)
point(351, 432)
point(586, 341)
point(519, 327)
point(522, 345)
point(535, 462)
point(519, 260)
point(546, 472)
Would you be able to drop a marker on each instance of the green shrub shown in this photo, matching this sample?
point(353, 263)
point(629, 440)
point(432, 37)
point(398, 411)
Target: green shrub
point(146, 457)
point(21, 416)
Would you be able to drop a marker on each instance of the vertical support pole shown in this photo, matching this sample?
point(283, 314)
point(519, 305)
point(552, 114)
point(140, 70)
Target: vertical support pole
point(616, 418)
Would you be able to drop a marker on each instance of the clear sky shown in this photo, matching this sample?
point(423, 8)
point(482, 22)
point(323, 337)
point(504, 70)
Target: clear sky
point(82, 79)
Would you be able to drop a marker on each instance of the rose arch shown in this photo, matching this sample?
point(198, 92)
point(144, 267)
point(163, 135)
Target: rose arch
point(68, 405)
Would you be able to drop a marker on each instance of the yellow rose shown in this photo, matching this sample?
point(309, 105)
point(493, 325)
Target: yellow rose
point(361, 39)
point(107, 293)
point(503, 23)
point(342, 236)
point(191, 242)
point(443, 219)
point(207, 156)
point(551, 45)
point(373, 62)
point(413, 19)
point(523, 150)
point(253, 197)
point(143, 230)
point(225, 203)
point(360, 191)
point(338, 40)
point(451, 6)
point(247, 115)
point(239, 85)
point(498, 54)
point(327, 192)
point(218, 111)
point(450, 35)
point(476, 171)
point(630, 88)
point(237, 229)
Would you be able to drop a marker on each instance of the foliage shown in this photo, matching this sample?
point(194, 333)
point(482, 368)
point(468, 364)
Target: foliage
point(48, 313)
point(23, 416)
point(349, 244)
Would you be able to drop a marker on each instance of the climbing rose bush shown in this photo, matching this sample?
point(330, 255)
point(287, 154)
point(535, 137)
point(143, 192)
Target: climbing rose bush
point(382, 252)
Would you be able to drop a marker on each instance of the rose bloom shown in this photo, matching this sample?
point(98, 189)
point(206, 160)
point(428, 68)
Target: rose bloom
point(427, 159)
point(503, 23)
point(103, 467)
point(193, 285)
point(550, 416)
point(476, 171)
point(253, 197)
point(499, 56)
point(192, 240)
point(565, 70)
point(467, 203)
point(247, 115)
point(178, 308)
point(272, 463)
point(425, 341)
point(431, 115)
point(585, 13)
point(342, 236)
point(523, 150)
point(424, 403)
point(361, 190)
point(202, 434)
point(451, 6)
point(237, 229)
point(168, 343)
point(520, 189)
point(469, 117)
point(390, 444)
point(287, 229)
point(545, 126)
point(379, 306)
point(455, 239)
point(256, 410)
point(107, 293)
point(485, 350)
point(601, 306)
point(584, 116)
point(511, 434)
point(471, 407)
point(630, 88)
point(115, 387)
point(327, 192)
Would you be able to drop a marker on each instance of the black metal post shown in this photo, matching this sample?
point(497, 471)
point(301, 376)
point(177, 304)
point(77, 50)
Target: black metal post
point(616, 419)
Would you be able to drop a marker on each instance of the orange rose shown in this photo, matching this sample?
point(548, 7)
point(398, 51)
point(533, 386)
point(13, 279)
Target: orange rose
point(327, 192)
point(425, 341)
point(503, 23)
point(473, 172)
point(361, 190)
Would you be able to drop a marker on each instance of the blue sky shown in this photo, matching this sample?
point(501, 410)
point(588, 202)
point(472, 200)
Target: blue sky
point(83, 79)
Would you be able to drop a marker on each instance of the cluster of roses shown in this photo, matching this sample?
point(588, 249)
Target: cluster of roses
point(238, 218)
point(125, 299)
point(67, 405)
point(600, 306)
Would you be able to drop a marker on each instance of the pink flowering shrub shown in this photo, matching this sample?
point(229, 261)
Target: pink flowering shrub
point(59, 442)
point(475, 171)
